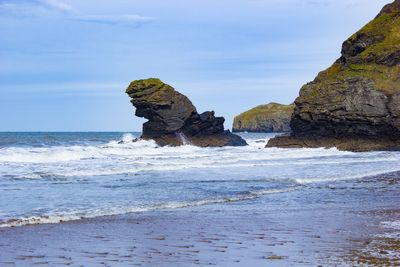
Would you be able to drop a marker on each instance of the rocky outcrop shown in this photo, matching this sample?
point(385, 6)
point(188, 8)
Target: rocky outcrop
point(173, 120)
point(269, 118)
point(355, 144)
point(358, 97)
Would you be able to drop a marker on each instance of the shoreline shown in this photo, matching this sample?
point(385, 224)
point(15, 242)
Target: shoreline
point(284, 229)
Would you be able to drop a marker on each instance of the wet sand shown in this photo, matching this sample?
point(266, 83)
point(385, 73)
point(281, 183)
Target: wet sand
point(381, 248)
point(340, 223)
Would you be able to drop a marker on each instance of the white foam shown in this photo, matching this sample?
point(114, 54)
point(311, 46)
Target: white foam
point(392, 231)
point(141, 160)
point(125, 156)
point(128, 137)
point(391, 225)
point(47, 155)
point(126, 147)
point(345, 177)
point(65, 217)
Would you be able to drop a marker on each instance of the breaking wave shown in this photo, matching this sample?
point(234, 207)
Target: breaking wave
point(93, 176)
point(73, 216)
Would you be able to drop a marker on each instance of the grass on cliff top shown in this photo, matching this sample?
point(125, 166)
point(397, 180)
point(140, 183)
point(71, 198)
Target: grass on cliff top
point(140, 85)
point(153, 89)
point(386, 79)
point(264, 110)
point(387, 25)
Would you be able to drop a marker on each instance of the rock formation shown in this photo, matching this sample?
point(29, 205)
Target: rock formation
point(268, 118)
point(173, 120)
point(354, 104)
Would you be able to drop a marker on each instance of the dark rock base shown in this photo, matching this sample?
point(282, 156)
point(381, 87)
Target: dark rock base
point(173, 120)
point(216, 140)
point(355, 144)
point(263, 130)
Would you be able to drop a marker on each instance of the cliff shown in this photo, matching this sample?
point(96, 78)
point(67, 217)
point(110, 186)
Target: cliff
point(355, 102)
point(268, 118)
point(173, 120)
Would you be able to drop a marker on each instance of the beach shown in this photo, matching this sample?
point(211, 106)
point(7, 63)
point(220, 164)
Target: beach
point(334, 224)
point(104, 199)
point(200, 133)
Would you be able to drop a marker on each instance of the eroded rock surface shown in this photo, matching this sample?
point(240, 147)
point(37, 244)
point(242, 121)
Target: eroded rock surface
point(359, 95)
point(173, 119)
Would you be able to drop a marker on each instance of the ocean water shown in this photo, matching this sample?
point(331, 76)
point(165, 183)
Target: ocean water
point(56, 177)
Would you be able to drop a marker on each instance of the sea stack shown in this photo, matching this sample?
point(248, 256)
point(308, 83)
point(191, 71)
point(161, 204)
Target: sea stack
point(354, 104)
point(173, 120)
point(269, 118)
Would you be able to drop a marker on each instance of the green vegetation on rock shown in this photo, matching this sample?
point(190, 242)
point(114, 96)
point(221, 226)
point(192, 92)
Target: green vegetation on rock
point(173, 119)
point(272, 117)
point(358, 96)
point(372, 53)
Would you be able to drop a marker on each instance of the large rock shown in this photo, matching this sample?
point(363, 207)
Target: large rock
point(358, 97)
point(268, 118)
point(173, 120)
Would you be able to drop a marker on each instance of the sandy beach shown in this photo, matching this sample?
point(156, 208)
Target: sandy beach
point(348, 223)
point(200, 133)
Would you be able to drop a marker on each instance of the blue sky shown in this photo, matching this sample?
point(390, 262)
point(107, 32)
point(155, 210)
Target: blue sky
point(65, 64)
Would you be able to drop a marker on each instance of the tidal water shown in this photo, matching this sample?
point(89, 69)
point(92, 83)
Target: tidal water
point(57, 177)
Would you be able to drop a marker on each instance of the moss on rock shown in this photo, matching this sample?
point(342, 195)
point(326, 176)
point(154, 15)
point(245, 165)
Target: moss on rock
point(272, 117)
point(173, 119)
point(355, 95)
point(358, 95)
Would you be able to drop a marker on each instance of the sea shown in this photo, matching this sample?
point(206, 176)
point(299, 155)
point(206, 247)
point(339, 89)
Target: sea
point(49, 178)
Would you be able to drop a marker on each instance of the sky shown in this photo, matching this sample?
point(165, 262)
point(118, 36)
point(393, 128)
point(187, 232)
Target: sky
point(65, 64)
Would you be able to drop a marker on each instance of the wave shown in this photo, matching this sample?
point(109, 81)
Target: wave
point(392, 229)
point(121, 170)
point(129, 146)
point(66, 172)
point(65, 217)
point(129, 156)
point(304, 181)
point(395, 225)
point(73, 153)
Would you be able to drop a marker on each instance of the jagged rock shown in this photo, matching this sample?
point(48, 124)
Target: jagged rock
point(173, 120)
point(358, 97)
point(355, 144)
point(269, 118)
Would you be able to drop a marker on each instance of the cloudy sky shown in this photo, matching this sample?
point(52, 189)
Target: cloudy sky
point(65, 64)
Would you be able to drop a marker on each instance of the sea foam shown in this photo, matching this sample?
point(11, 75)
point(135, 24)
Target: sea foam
point(70, 216)
point(123, 175)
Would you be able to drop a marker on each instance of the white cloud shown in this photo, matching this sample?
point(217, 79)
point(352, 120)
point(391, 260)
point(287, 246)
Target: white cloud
point(126, 20)
point(35, 8)
point(57, 5)
point(60, 9)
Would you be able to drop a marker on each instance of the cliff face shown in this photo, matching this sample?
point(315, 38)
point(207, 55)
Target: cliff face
point(173, 120)
point(359, 95)
point(268, 118)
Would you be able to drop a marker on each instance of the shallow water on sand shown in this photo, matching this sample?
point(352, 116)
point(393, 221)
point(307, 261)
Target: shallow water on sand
point(340, 223)
point(57, 177)
point(184, 206)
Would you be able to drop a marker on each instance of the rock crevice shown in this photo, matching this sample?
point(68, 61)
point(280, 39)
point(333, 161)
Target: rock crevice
point(358, 97)
point(174, 120)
